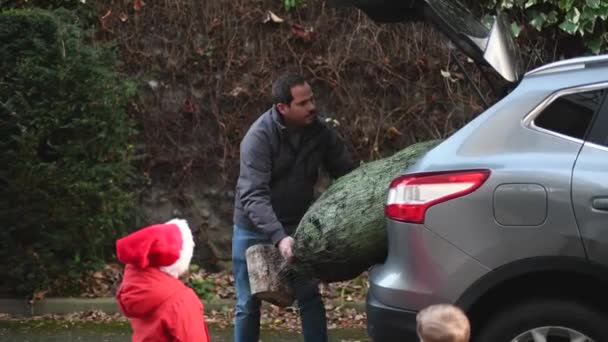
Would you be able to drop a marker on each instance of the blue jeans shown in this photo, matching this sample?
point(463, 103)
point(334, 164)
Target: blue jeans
point(247, 315)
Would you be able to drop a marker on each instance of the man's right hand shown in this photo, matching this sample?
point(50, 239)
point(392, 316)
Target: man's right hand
point(286, 248)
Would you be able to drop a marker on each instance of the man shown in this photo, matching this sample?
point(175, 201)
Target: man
point(280, 157)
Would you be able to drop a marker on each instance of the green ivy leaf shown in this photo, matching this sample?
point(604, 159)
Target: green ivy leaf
point(552, 17)
point(588, 19)
point(602, 11)
point(568, 26)
point(594, 3)
point(507, 4)
point(491, 4)
point(488, 20)
point(515, 29)
point(586, 28)
point(574, 15)
point(566, 4)
point(530, 3)
point(595, 44)
point(538, 21)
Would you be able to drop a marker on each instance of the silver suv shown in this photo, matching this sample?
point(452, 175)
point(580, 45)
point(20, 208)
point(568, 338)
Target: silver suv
point(508, 217)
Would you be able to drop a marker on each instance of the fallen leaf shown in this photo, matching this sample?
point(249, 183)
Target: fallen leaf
point(305, 34)
point(38, 295)
point(216, 22)
point(238, 91)
point(423, 63)
point(138, 4)
point(432, 98)
point(153, 84)
point(448, 75)
point(104, 19)
point(189, 107)
point(272, 17)
point(392, 133)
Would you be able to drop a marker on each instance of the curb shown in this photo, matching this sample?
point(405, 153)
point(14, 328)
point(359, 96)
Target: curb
point(62, 306)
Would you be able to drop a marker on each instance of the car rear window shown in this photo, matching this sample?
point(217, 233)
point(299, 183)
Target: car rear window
point(571, 115)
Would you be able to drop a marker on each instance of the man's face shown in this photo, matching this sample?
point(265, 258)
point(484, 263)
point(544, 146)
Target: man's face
point(301, 112)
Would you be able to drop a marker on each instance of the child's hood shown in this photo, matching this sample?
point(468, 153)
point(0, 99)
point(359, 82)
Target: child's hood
point(142, 291)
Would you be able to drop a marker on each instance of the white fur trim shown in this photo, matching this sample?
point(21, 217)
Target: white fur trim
point(185, 255)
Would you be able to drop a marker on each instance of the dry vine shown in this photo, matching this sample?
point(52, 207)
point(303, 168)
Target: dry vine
point(207, 67)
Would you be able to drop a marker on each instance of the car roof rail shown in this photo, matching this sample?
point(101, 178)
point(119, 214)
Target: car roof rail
point(570, 64)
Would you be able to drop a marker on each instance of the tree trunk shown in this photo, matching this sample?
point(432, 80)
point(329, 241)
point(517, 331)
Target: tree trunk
point(343, 233)
point(263, 264)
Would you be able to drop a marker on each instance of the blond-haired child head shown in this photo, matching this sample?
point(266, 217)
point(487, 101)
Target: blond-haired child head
point(443, 323)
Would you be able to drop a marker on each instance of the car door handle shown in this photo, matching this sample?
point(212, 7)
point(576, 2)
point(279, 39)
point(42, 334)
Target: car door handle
point(600, 203)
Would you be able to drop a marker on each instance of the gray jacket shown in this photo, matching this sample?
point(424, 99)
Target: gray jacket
point(278, 170)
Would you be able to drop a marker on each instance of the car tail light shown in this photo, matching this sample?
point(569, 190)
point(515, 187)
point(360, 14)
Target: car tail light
point(410, 196)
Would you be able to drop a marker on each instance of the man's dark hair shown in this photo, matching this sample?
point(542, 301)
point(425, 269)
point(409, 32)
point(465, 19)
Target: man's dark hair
point(281, 88)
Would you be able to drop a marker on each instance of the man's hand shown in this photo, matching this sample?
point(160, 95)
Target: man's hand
point(286, 248)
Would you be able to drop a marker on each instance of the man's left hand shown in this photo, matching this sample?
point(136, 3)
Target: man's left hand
point(286, 248)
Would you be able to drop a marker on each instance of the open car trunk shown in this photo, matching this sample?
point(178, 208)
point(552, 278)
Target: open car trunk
point(492, 46)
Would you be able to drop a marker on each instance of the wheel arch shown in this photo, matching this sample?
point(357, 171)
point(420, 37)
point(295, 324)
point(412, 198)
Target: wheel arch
point(557, 277)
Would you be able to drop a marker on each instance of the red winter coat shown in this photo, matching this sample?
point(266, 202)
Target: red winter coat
point(160, 307)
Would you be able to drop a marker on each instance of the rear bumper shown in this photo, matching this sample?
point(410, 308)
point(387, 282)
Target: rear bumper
point(421, 269)
point(386, 324)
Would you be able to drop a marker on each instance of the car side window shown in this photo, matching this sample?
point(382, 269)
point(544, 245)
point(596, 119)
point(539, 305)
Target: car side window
point(599, 133)
point(571, 114)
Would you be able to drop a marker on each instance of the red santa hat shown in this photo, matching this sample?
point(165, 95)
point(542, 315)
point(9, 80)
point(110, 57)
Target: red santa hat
point(167, 246)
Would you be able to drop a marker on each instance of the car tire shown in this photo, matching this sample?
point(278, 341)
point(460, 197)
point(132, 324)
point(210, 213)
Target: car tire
point(559, 314)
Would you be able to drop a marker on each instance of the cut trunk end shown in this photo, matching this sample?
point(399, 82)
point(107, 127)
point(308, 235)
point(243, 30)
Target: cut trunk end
point(264, 262)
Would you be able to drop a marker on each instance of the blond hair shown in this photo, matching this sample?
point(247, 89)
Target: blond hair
point(442, 323)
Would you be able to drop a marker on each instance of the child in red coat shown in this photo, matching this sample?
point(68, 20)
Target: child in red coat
point(159, 306)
